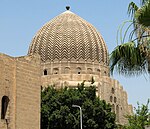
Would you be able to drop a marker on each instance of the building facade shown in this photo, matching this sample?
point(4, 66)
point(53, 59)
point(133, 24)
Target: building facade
point(66, 51)
point(19, 92)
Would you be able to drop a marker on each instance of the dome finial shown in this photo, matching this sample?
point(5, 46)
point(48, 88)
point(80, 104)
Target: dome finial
point(68, 7)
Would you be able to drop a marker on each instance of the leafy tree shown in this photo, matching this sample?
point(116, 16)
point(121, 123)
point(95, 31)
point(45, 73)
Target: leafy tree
point(140, 119)
point(57, 111)
point(133, 57)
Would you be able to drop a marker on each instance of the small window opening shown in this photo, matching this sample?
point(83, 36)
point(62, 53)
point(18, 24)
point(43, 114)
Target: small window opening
point(67, 70)
point(112, 90)
point(45, 72)
point(79, 70)
point(89, 71)
point(117, 113)
point(98, 71)
point(111, 98)
point(5, 101)
point(113, 108)
point(115, 99)
point(55, 71)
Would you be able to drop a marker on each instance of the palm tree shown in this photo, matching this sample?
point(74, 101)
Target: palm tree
point(133, 57)
point(143, 14)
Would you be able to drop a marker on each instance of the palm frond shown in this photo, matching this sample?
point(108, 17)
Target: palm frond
point(133, 57)
point(132, 8)
point(143, 15)
point(132, 34)
point(120, 31)
point(127, 60)
point(143, 2)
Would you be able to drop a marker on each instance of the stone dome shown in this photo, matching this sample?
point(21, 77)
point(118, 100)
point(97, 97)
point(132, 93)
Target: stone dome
point(68, 37)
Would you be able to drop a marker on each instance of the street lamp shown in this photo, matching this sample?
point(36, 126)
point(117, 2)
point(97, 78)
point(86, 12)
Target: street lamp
point(80, 113)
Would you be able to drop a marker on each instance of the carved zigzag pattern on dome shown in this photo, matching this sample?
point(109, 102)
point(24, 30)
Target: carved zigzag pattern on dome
point(69, 38)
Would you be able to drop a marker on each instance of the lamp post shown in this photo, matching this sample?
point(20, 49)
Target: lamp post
point(80, 113)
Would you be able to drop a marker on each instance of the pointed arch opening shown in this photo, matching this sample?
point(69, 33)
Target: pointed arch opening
point(117, 113)
point(55, 71)
point(98, 71)
point(113, 108)
point(115, 99)
point(45, 72)
point(113, 90)
point(67, 70)
point(4, 107)
point(89, 70)
point(78, 70)
point(111, 98)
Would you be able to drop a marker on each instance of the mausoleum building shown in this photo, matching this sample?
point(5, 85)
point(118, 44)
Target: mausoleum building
point(66, 51)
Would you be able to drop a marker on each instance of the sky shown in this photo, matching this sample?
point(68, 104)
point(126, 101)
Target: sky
point(21, 19)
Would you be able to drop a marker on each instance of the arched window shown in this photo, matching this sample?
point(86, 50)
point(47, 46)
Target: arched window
point(112, 90)
point(115, 99)
point(117, 113)
point(89, 71)
point(55, 71)
point(111, 98)
point(105, 73)
point(4, 102)
point(113, 108)
point(67, 70)
point(98, 71)
point(45, 71)
point(78, 70)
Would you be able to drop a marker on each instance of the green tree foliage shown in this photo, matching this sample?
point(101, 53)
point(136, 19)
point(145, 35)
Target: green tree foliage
point(57, 111)
point(133, 57)
point(140, 119)
point(143, 14)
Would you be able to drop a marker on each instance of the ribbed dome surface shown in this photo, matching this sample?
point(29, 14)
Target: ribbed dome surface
point(68, 37)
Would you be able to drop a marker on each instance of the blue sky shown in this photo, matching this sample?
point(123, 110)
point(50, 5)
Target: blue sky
point(20, 20)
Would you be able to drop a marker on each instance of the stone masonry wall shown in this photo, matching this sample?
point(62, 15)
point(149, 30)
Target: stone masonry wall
point(7, 88)
point(71, 71)
point(111, 91)
point(28, 91)
point(20, 82)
